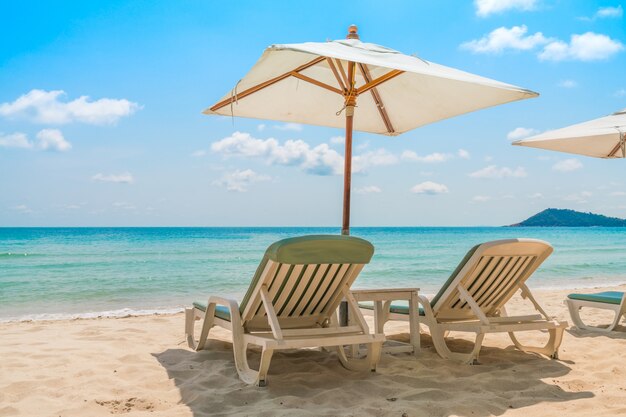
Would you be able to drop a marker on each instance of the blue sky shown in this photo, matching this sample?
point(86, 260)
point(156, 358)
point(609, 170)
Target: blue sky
point(101, 124)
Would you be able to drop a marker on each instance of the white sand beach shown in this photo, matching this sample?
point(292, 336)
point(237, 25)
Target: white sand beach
point(140, 366)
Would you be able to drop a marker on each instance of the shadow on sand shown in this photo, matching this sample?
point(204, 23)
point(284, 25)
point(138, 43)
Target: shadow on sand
point(618, 333)
point(312, 382)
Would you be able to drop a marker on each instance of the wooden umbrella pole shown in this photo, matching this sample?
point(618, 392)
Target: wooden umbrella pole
point(347, 166)
point(347, 170)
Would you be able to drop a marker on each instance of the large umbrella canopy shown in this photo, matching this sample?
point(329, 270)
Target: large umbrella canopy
point(378, 90)
point(601, 138)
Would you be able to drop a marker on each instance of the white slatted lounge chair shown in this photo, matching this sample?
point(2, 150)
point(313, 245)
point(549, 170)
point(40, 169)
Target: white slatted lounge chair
point(608, 300)
point(292, 303)
point(474, 298)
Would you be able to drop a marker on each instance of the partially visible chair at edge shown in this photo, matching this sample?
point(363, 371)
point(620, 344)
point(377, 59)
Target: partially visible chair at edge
point(473, 299)
point(608, 300)
point(292, 303)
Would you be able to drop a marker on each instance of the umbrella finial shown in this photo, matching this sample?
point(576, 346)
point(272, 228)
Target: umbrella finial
point(352, 32)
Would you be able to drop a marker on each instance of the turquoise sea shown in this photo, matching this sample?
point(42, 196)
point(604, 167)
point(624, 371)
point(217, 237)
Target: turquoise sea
point(53, 273)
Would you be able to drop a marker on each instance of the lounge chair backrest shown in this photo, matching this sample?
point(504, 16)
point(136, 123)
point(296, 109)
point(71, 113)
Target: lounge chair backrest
point(304, 278)
point(491, 273)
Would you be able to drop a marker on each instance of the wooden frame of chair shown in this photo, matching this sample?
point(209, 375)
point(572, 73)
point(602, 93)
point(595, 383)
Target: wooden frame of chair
point(574, 307)
point(474, 299)
point(292, 306)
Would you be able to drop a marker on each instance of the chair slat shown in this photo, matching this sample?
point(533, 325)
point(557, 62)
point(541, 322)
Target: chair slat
point(483, 279)
point(272, 282)
point(286, 290)
point(482, 262)
point(253, 304)
point(347, 281)
point(514, 284)
point(321, 288)
point(306, 298)
point(504, 267)
point(331, 289)
point(518, 261)
point(511, 282)
point(299, 290)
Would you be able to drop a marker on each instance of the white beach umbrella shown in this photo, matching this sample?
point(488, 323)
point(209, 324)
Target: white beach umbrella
point(601, 138)
point(378, 90)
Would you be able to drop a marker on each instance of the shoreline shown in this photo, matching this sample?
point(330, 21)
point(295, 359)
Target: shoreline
point(165, 311)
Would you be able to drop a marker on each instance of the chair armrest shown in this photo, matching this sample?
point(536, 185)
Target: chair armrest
point(425, 302)
point(233, 308)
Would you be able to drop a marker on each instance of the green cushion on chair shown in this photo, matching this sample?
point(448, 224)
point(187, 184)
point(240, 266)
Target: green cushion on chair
point(607, 297)
point(220, 311)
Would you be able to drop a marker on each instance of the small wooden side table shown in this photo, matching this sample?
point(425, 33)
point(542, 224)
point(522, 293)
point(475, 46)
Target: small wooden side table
point(382, 299)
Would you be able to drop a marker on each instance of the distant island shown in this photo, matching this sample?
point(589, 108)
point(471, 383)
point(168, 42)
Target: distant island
point(570, 218)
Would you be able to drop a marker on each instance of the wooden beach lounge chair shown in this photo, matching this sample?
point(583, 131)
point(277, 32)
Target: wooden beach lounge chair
point(608, 300)
point(473, 299)
point(292, 303)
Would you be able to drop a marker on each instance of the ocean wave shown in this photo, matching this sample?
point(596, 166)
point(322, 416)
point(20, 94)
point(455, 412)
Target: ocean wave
point(120, 313)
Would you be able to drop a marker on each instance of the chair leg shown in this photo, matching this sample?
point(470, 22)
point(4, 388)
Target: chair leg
point(190, 318)
point(551, 348)
point(574, 312)
point(368, 363)
point(207, 324)
point(444, 351)
point(247, 374)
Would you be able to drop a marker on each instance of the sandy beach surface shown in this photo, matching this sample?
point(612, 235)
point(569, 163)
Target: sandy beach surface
point(140, 366)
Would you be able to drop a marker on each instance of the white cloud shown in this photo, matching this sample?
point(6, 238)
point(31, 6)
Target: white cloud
point(379, 157)
point(620, 93)
point(15, 140)
point(337, 140)
point(520, 133)
point(567, 84)
point(369, 189)
point(502, 38)
point(199, 153)
point(260, 127)
point(47, 140)
point(580, 198)
point(605, 13)
point(617, 194)
point(481, 198)
point(485, 8)
point(488, 158)
point(125, 178)
point(589, 46)
point(240, 180)
point(318, 160)
point(42, 106)
point(463, 154)
point(493, 171)
point(124, 205)
point(435, 157)
point(430, 188)
point(610, 12)
point(294, 127)
point(22, 208)
point(52, 140)
point(536, 196)
point(567, 165)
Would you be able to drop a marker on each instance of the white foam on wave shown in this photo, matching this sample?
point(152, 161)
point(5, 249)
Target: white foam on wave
point(120, 313)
